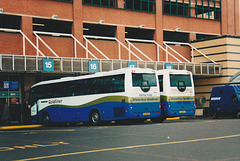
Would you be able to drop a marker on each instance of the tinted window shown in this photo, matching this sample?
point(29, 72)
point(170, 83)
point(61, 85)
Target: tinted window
point(108, 84)
point(160, 80)
point(137, 78)
point(175, 79)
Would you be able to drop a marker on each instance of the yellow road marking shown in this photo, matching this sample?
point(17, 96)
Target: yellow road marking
point(173, 118)
point(19, 127)
point(70, 130)
point(129, 147)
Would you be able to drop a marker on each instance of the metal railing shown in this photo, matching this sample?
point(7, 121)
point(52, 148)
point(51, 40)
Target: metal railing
point(191, 47)
point(76, 41)
point(120, 44)
point(24, 40)
point(24, 63)
point(33, 63)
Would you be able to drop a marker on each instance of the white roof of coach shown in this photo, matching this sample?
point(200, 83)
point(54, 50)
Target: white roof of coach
point(118, 71)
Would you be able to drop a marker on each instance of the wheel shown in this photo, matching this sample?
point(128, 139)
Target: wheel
point(238, 115)
point(95, 117)
point(158, 119)
point(215, 115)
point(46, 120)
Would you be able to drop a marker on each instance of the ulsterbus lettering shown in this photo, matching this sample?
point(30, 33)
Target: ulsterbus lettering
point(139, 99)
point(54, 101)
point(152, 99)
point(181, 98)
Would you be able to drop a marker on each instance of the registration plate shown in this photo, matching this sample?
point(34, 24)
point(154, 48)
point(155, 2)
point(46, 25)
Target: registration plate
point(182, 111)
point(146, 113)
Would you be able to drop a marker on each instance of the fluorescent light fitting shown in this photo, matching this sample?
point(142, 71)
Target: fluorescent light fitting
point(10, 31)
point(38, 24)
point(54, 17)
point(56, 35)
point(101, 21)
point(86, 29)
point(178, 29)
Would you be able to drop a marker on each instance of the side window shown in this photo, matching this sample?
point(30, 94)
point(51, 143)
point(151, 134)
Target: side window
point(160, 80)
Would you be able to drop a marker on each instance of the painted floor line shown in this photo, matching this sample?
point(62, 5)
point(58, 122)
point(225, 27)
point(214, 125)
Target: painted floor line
point(173, 118)
point(19, 127)
point(129, 147)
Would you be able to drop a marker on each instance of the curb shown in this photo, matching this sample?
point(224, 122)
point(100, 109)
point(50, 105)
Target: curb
point(19, 127)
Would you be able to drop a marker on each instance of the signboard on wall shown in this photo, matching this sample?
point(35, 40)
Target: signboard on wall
point(9, 94)
point(6, 84)
point(132, 64)
point(48, 64)
point(12, 85)
point(14, 100)
point(168, 66)
point(93, 66)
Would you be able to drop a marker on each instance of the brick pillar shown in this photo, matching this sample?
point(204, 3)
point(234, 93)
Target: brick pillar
point(120, 35)
point(230, 17)
point(158, 36)
point(120, 3)
point(77, 28)
point(192, 11)
point(192, 36)
point(237, 18)
point(27, 29)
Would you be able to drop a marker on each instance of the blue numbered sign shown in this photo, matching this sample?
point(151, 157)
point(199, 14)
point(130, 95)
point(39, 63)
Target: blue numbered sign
point(168, 66)
point(48, 65)
point(132, 64)
point(93, 66)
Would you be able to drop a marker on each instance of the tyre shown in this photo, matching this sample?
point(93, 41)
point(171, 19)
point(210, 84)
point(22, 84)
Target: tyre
point(238, 115)
point(46, 120)
point(215, 115)
point(95, 117)
point(158, 119)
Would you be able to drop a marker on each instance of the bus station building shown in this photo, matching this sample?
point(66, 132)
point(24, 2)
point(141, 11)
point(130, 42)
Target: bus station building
point(47, 39)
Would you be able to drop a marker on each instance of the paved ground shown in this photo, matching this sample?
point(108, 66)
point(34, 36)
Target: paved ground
point(194, 140)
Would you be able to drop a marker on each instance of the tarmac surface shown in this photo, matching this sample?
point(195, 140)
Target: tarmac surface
point(184, 139)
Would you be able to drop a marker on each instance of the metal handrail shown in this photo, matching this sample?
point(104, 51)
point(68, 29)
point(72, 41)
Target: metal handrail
point(138, 50)
point(193, 48)
point(158, 45)
point(38, 38)
point(115, 39)
point(176, 52)
point(67, 35)
point(95, 48)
